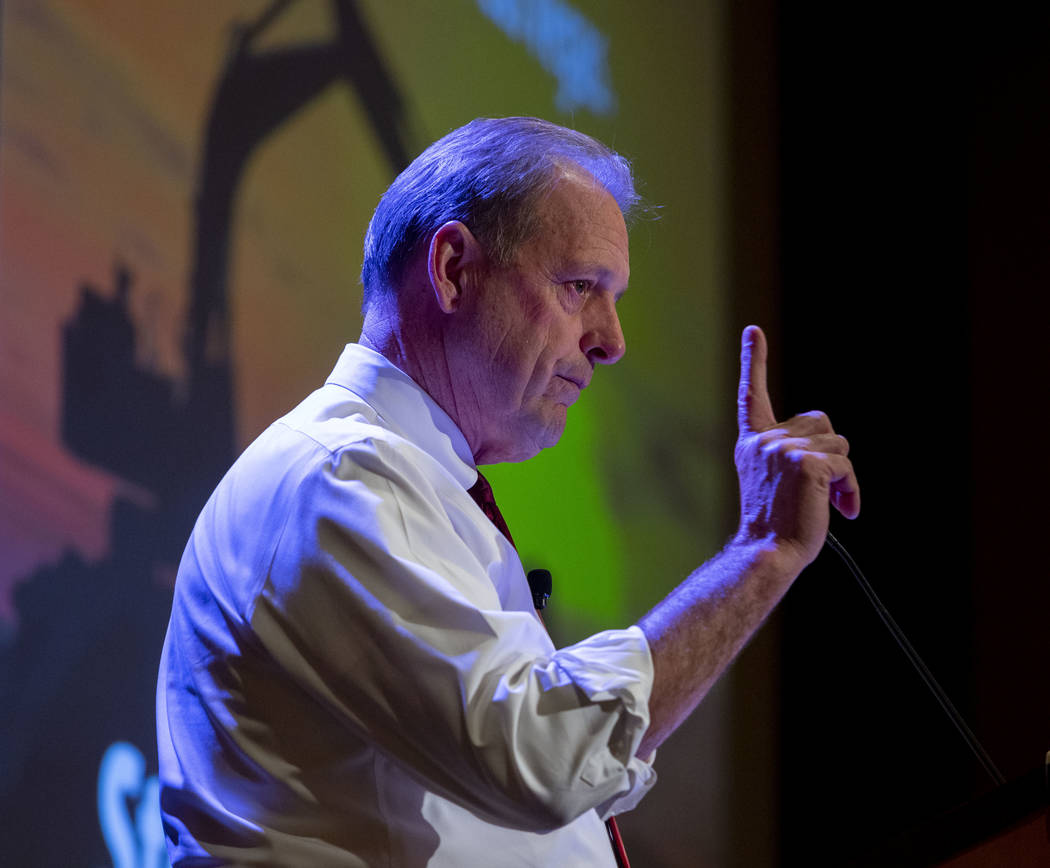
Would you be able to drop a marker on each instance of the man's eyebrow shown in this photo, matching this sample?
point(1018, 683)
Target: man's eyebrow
point(607, 275)
point(589, 267)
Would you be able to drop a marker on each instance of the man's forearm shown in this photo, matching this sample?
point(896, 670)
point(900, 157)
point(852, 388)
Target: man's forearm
point(697, 630)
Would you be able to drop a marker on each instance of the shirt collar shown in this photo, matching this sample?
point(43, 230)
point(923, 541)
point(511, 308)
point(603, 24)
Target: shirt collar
point(406, 408)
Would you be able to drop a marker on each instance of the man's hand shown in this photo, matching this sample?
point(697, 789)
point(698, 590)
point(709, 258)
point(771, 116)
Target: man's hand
point(788, 470)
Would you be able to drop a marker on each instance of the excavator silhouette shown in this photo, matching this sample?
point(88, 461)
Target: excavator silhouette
point(128, 420)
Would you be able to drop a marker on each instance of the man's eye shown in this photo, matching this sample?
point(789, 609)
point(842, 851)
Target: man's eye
point(579, 286)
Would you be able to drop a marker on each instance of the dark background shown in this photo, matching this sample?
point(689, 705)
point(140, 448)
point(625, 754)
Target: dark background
point(891, 206)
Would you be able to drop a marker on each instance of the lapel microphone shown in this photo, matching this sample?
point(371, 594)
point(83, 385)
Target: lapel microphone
point(540, 584)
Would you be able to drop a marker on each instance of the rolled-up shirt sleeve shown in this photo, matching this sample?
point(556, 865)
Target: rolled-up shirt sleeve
point(394, 606)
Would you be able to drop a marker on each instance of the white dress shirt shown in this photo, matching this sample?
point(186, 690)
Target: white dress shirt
point(354, 673)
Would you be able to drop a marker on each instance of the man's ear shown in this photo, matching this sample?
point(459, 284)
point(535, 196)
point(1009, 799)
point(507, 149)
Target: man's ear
point(453, 258)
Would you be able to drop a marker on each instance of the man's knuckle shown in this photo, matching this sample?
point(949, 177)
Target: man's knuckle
point(820, 419)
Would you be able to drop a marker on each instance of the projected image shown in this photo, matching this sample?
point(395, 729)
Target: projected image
point(182, 198)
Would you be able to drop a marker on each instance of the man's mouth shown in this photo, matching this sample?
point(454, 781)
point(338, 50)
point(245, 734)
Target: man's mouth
point(569, 393)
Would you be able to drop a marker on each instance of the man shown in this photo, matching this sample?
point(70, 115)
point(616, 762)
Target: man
point(354, 673)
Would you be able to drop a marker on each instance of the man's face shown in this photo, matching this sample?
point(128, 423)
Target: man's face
point(539, 325)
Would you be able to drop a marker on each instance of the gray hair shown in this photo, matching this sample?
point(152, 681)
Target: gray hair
point(488, 174)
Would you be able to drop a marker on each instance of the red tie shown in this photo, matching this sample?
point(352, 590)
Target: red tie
point(481, 491)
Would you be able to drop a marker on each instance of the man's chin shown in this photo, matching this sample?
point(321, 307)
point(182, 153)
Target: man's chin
point(527, 435)
point(541, 434)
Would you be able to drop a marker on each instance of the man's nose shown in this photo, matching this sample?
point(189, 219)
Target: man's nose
point(603, 341)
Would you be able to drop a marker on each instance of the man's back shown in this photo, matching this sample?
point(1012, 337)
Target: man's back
point(351, 667)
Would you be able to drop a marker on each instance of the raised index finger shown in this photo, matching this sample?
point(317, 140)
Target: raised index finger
point(754, 412)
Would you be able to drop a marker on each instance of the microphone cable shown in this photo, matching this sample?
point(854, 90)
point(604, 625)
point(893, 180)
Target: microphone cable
point(913, 656)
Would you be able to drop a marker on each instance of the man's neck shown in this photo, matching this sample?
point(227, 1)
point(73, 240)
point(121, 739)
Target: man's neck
point(410, 340)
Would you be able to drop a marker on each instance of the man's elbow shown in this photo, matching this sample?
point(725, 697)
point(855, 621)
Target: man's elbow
point(541, 798)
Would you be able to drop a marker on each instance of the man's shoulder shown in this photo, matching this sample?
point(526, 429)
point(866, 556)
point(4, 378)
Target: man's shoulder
point(295, 470)
point(333, 418)
point(339, 434)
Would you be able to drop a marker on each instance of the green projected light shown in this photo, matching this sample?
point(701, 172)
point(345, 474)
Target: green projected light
point(557, 510)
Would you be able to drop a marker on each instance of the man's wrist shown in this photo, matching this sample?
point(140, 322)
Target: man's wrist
point(768, 554)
